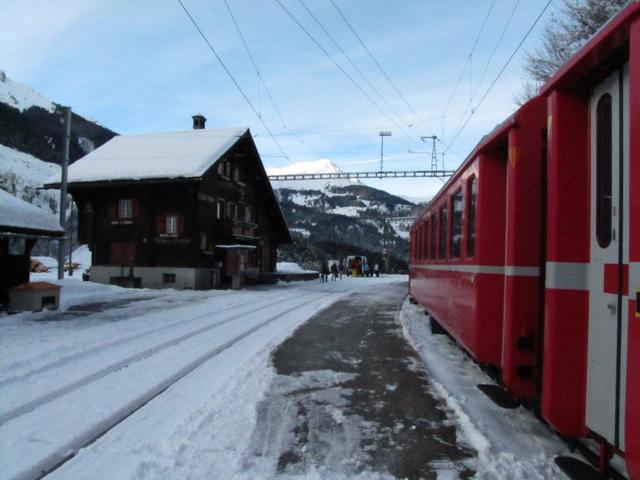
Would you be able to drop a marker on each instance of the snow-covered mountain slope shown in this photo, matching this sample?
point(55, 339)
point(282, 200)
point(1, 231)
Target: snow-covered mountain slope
point(21, 96)
point(21, 174)
point(33, 124)
point(339, 217)
point(317, 166)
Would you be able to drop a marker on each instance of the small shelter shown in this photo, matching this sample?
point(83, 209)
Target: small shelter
point(21, 224)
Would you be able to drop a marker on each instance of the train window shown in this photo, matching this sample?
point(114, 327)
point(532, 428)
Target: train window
point(603, 174)
point(456, 223)
point(471, 216)
point(427, 237)
point(434, 232)
point(442, 251)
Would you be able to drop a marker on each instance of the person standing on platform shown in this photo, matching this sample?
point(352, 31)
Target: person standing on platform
point(324, 270)
point(334, 272)
point(365, 269)
point(341, 269)
point(376, 270)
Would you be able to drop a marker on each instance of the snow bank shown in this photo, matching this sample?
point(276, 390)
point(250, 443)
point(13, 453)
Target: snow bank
point(289, 267)
point(510, 443)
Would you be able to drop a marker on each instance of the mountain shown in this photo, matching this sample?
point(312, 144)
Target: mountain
point(32, 124)
point(336, 218)
point(31, 146)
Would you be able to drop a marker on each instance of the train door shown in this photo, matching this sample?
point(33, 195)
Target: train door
point(608, 316)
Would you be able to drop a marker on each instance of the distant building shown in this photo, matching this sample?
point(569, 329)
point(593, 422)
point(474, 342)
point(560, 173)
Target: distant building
point(21, 224)
point(191, 209)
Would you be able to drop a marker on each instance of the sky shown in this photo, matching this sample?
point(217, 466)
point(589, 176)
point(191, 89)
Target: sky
point(143, 67)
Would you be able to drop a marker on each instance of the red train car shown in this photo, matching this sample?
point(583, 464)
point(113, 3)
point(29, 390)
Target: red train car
point(530, 255)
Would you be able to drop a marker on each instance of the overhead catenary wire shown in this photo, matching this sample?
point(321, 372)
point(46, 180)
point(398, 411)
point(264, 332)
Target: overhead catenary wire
point(468, 60)
point(351, 62)
point(261, 79)
point(235, 82)
point(486, 68)
point(344, 72)
point(497, 77)
point(382, 70)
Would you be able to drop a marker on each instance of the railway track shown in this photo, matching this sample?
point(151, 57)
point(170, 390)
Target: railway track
point(50, 412)
point(151, 346)
point(187, 319)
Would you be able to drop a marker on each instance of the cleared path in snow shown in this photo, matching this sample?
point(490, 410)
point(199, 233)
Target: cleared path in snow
point(349, 400)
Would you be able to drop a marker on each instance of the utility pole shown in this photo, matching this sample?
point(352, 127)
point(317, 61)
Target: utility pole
point(434, 156)
point(385, 244)
point(382, 135)
point(63, 194)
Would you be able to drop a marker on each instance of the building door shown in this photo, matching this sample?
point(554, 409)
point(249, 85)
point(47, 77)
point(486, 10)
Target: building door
point(608, 316)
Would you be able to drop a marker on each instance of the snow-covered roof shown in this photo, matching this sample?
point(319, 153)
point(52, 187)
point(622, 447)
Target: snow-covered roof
point(18, 215)
point(187, 154)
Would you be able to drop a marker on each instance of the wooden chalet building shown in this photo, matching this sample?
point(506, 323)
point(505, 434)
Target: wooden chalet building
point(21, 224)
point(191, 209)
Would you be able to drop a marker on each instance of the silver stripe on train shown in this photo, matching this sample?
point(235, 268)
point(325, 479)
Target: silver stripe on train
point(567, 275)
point(510, 270)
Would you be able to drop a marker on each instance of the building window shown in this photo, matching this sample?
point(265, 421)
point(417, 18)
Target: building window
point(457, 205)
point(604, 163)
point(248, 214)
point(232, 210)
point(168, 278)
point(220, 209)
point(237, 174)
point(471, 216)
point(223, 168)
point(125, 208)
point(17, 246)
point(442, 251)
point(203, 241)
point(171, 225)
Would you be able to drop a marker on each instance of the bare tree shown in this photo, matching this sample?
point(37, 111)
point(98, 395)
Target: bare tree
point(563, 35)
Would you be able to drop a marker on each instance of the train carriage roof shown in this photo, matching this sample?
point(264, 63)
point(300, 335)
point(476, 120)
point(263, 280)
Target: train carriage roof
point(607, 48)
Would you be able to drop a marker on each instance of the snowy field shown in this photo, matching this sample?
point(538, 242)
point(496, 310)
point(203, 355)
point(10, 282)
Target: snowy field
point(175, 377)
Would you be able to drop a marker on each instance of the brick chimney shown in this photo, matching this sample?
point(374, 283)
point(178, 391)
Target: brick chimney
point(198, 121)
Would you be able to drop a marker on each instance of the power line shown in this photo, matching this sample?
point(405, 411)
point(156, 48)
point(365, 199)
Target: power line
point(356, 68)
point(346, 74)
point(486, 68)
point(499, 74)
point(266, 88)
point(246, 98)
point(466, 63)
point(391, 82)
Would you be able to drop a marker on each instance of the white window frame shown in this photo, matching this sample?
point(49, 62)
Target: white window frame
point(125, 208)
point(171, 225)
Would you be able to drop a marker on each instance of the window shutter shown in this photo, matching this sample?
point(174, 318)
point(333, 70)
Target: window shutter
point(113, 209)
point(180, 224)
point(160, 224)
point(135, 208)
